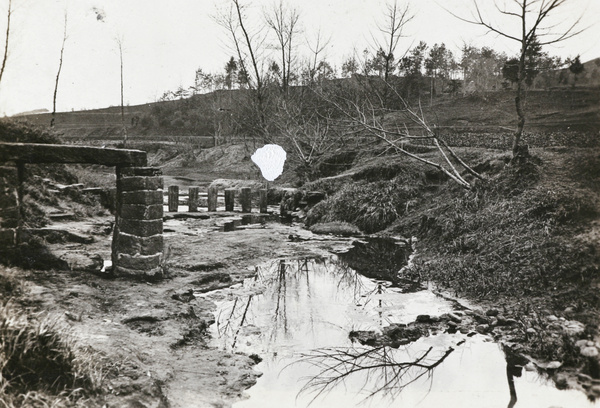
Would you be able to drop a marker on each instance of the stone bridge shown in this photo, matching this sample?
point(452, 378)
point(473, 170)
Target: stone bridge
point(137, 244)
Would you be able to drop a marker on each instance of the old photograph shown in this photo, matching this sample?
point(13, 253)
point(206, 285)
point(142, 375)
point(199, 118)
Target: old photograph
point(293, 204)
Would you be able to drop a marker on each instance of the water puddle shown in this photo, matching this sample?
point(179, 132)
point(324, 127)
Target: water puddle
point(296, 314)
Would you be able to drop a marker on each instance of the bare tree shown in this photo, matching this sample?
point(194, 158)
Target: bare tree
point(396, 18)
point(316, 49)
point(5, 57)
point(284, 23)
point(60, 62)
point(247, 45)
point(119, 40)
point(534, 18)
point(366, 115)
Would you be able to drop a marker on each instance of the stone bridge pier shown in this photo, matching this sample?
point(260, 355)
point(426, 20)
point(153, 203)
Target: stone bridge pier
point(137, 246)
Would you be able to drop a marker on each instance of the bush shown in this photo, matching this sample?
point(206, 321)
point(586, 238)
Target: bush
point(370, 206)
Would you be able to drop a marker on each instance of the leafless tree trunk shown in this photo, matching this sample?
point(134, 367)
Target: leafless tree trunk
point(119, 40)
point(60, 62)
point(396, 18)
point(318, 48)
point(284, 22)
point(8, 15)
point(247, 46)
point(533, 16)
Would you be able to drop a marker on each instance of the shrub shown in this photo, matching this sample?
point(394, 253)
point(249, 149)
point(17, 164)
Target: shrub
point(370, 206)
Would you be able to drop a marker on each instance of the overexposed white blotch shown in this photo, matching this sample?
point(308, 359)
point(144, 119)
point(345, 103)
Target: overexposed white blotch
point(270, 159)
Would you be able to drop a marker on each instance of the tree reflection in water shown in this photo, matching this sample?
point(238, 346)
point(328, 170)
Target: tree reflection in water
point(297, 284)
point(378, 368)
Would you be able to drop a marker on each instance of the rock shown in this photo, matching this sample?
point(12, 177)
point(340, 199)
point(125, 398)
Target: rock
point(584, 377)
point(424, 318)
point(482, 328)
point(464, 330)
point(492, 312)
point(530, 366)
point(595, 390)
point(552, 318)
point(581, 344)
point(569, 310)
point(573, 327)
point(479, 318)
point(493, 322)
point(589, 351)
point(452, 324)
point(561, 381)
point(455, 317)
point(553, 365)
point(531, 331)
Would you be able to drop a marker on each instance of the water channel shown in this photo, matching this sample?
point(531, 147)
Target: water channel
point(296, 315)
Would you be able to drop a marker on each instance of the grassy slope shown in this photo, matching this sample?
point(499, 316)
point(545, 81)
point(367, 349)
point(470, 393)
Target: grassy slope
point(561, 108)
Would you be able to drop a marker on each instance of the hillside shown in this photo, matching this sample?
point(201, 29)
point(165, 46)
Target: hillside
point(558, 108)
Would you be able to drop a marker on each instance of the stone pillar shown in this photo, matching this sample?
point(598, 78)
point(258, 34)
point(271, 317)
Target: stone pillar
point(9, 212)
point(262, 201)
point(229, 199)
point(246, 199)
point(212, 198)
point(173, 198)
point(192, 199)
point(137, 246)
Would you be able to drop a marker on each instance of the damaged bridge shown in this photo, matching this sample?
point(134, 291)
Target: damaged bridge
point(137, 244)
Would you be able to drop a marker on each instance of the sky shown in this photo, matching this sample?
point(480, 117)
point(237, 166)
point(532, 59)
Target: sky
point(166, 41)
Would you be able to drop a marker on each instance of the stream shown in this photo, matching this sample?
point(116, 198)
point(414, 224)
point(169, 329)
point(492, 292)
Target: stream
point(296, 315)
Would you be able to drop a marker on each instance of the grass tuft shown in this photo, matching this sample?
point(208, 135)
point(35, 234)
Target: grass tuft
point(40, 364)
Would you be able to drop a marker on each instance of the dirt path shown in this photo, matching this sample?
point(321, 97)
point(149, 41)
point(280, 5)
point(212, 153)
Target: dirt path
point(153, 336)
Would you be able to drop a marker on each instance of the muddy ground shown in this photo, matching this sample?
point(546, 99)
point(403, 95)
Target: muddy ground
point(152, 336)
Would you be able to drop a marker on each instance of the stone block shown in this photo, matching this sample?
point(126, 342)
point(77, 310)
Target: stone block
point(141, 228)
point(9, 173)
point(229, 199)
point(152, 274)
point(262, 201)
point(173, 198)
point(246, 199)
point(132, 244)
point(9, 222)
point(193, 199)
point(139, 262)
point(9, 200)
point(142, 212)
point(135, 183)
point(146, 197)
point(8, 237)
point(139, 171)
point(212, 198)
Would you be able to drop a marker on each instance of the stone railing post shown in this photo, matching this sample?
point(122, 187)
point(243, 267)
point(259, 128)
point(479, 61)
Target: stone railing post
point(212, 198)
point(138, 234)
point(246, 199)
point(192, 199)
point(262, 201)
point(229, 199)
point(173, 198)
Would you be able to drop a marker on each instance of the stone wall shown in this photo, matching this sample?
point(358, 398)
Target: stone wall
point(137, 248)
point(9, 210)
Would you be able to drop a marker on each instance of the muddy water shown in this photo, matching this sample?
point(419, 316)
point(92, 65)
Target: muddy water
point(296, 315)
